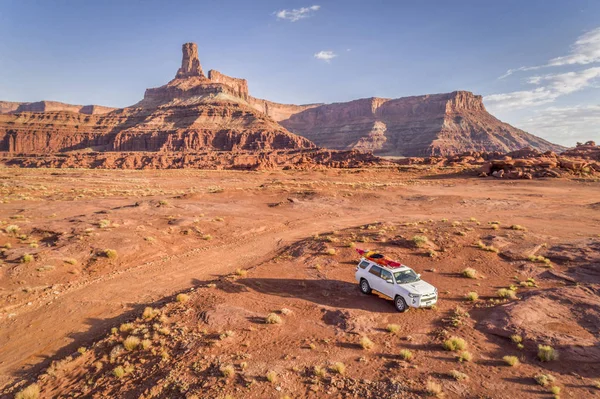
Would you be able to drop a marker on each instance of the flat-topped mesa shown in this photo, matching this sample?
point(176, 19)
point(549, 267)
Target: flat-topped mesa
point(464, 100)
point(190, 63)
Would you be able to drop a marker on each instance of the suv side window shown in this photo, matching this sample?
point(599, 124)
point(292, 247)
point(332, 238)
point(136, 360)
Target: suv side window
point(363, 264)
point(375, 270)
point(387, 276)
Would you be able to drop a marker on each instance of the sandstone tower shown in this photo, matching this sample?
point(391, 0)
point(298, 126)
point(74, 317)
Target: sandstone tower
point(190, 64)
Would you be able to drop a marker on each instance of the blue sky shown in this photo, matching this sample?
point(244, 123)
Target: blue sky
point(109, 52)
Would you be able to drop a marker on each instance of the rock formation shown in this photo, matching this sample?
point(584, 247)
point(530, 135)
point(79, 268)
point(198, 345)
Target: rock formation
point(190, 63)
point(439, 124)
point(8, 107)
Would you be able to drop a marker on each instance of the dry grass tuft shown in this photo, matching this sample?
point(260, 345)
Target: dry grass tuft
point(406, 354)
point(434, 389)
point(458, 376)
point(319, 371)
point(241, 272)
point(420, 241)
point(465, 357)
point(517, 227)
point(272, 377)
point(455, 344)
point(272, 318)
point(512, 361)
point(339, 368)
point(393, 328)
point(31, 392)
point(469, 272)
point(110, 253)
point(27, 258)
point(472, 296)
point(507, 293)
point(546, 353)
point(227, 371)
point(517, 339)
point(182, 298)
point(366, 343)
point(544, 379)
point(131, 343)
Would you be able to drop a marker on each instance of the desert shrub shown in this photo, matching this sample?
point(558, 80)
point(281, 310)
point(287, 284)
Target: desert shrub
point(150, 313)
point(71, 261)
point(104, 223)
point(146, 344)
point(458, 376)
point(512, 361)
point(285, 311)
point(456, 223)
point(272, 377)
point(455, 344)
point(150, 239)
point(420, 241)
point(433, 388)
point(495, 226)
point(406, 354)
point(11, 229)
point(544, 379)
point(163, 203)
point(182, 298)
point(126, 327)
point(119, 372)
point(227, 334)
point(27, 258)
point(546, 353)
point(555, 390)
point(517, 339)
point(489, 248)
point(131, 343)
point(227, 371)
point(31, 392)
point(8, 245)
point(465, 357)
point(241, 272)
point(366, 343)
point(507, 293)
point(207, 237)
point(319, 371)
point(517, 227)
point(339, 367)
point(110, 253)
point(331, 251)
point(469, 272)
point(272, 318)
point(596, 384)
point(472, 296)
point(393, 328)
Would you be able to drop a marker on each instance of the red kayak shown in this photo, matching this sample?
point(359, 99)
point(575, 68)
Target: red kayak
point(378, 258)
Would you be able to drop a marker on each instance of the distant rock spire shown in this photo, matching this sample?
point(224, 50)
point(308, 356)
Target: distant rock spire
point(190, 64)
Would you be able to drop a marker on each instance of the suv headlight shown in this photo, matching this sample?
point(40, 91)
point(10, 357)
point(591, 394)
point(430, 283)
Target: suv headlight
point(414, 295)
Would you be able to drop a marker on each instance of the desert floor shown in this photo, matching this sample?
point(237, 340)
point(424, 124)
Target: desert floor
point(290, 234)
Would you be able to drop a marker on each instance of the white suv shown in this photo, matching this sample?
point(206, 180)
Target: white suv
point(401, 284)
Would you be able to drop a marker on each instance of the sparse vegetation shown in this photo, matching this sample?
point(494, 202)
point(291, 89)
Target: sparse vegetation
point(366, 343)
point(393, 328)
point(544, 379)
point(330, 251)
point(517, 227)
point(104, 223)
point(126, 327)
point(555, 390)
point(11, 229)
point(458, 376)
point(150, 313)
point(455, 344)
point(406, 354)
point(272, 377)
point(546, 353)
point(434, 389)
point(507, 293)
point(512, 361)
point(241, 272)
point(30, 392)
point(273, 318)
point(207, 237)
point(119, 372)
point(420, 241)
point(472, 296)
point(339, 368)
point(465, 357)
point(110, 253)
point(517, 339)
point(319, 371)
point(488, 248)
point(71, 261)
point(131, 343)
point(182, 298)
point(227, 371)
point(285, 311)
point(27, 258)
point(540, 259)
point(469, 272)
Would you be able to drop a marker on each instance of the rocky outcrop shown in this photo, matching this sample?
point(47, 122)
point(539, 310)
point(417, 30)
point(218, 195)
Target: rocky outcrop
point(8, 107)
point(244, 160)
point(190, 63)
point(239, 86)
point(191, 113)
point(439, 124)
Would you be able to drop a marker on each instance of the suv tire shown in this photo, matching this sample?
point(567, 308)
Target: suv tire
point(365, 288)
point(400, 304)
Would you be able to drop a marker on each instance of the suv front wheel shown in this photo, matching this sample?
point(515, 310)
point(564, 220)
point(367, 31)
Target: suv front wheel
point(400, 304)
point(365, 288)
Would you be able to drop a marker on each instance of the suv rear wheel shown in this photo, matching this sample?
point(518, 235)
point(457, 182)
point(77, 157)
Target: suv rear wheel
point(365, 288)
point(400, 304)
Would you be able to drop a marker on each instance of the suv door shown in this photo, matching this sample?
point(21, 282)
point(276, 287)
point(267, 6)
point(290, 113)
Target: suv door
point(387, 284)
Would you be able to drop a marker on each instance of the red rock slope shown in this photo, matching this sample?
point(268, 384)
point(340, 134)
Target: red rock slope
point(438, 124)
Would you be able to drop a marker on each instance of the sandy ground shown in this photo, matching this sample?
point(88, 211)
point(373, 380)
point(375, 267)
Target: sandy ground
point(174, 230)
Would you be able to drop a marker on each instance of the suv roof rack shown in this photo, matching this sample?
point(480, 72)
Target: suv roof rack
point(378, 258)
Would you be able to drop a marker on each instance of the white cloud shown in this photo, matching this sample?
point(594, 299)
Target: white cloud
point(585, 50)
point(297, 13)
point(566, 125)
point(325, 55)
point(551, 87)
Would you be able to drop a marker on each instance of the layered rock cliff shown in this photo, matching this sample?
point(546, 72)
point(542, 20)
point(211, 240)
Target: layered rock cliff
point(9, 107)
point(190, 113)
point(439, 124)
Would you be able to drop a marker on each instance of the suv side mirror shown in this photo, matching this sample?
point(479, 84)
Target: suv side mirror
point(419, 275)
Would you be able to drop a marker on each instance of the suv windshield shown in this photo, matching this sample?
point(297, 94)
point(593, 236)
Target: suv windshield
point(406, 276)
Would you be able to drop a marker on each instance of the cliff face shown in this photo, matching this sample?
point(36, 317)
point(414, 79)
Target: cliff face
point(190, 113)
point(439, 124)
point(8, 107)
